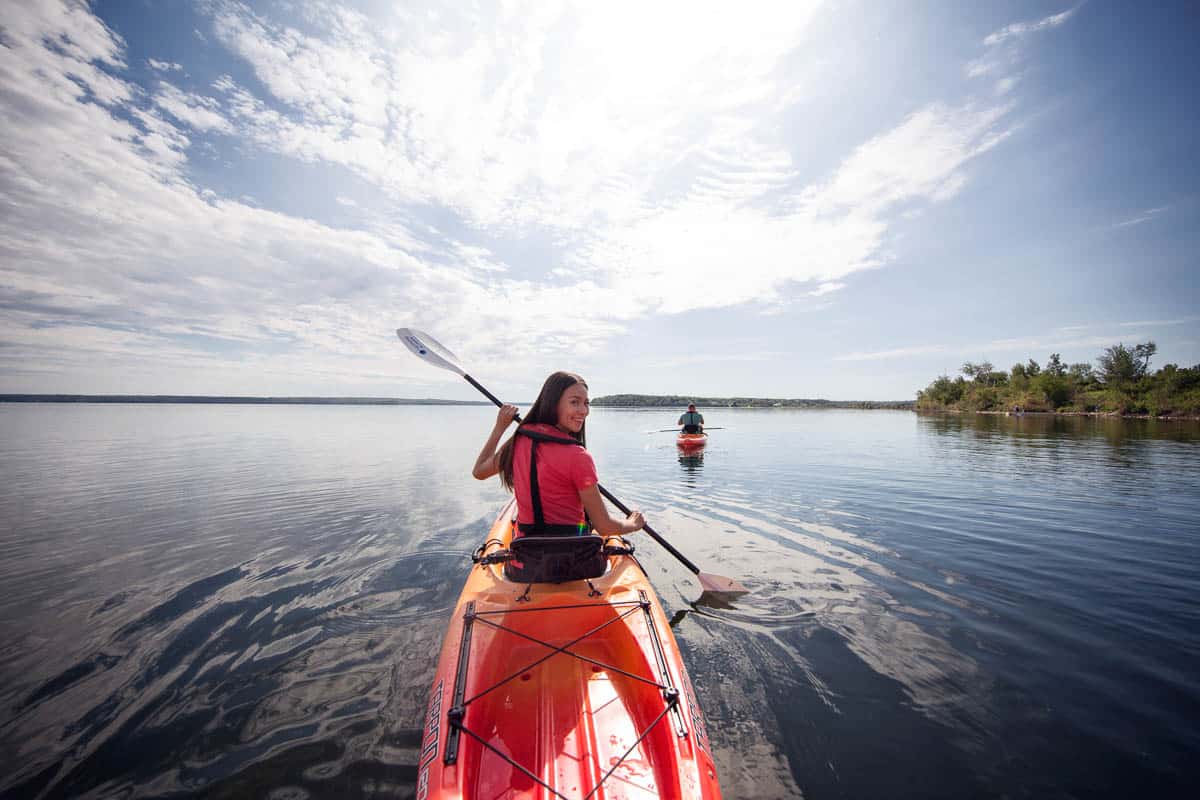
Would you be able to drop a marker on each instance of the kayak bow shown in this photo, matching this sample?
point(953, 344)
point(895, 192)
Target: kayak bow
point(569, 690)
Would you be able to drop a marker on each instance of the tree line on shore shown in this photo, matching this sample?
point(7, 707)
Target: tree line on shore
point(1120, 383)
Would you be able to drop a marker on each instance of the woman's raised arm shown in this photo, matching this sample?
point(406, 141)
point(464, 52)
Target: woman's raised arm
point(486, 465)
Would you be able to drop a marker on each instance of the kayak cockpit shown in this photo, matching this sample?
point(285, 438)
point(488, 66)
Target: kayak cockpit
point(501, 550)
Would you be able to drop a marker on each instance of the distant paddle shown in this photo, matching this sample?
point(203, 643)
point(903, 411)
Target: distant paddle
point(429, 350)
point(676, 430)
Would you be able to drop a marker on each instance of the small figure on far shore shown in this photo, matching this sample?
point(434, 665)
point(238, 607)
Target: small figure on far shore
point(691, 420)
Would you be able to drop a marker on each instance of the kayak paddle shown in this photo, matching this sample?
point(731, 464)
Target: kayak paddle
point(428, 349)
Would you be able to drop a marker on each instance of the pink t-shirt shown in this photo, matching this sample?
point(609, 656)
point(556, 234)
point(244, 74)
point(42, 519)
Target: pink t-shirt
point(563, 470)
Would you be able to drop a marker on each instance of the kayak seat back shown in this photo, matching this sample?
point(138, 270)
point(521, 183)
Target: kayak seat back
point(556, 559)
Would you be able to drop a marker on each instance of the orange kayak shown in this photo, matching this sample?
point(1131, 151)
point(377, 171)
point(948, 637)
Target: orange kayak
point(568, 690)
point(691, 441)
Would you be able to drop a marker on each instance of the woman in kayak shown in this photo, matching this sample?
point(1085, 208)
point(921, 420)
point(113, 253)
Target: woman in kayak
point(566, 495)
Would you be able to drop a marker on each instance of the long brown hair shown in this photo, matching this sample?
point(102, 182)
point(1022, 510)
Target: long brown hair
point(544, 411)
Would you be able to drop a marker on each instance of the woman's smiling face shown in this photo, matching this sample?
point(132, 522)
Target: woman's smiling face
point(573, 408)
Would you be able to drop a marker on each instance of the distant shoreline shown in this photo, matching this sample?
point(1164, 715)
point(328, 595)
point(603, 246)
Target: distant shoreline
point(681, 402)
point(609, 401)
point(233, 400)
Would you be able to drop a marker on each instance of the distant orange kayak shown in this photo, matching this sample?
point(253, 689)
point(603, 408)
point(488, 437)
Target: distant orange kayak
point(691, 441)
point(569, 690)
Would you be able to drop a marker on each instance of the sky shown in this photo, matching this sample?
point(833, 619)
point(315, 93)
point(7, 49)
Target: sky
point(835, 200)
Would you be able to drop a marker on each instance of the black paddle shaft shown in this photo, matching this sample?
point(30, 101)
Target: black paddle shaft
point(625, 510)
point(486, 393)
point(682, 558)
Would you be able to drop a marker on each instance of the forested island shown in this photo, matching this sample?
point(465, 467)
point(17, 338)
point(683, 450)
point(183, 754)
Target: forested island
point(1120, 383)
point(681, 402)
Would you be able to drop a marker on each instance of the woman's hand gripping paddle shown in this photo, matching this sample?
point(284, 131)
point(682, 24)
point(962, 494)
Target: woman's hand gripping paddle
point(429, 350)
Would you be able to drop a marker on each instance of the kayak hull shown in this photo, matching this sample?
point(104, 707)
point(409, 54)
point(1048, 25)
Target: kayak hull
point(691, 441)
point(567, 690)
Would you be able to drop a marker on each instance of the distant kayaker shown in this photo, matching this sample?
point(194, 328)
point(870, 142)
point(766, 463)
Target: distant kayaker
point(547, 467)
point(691, 420)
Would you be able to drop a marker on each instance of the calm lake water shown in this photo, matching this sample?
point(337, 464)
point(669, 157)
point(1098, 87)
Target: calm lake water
point(248, 601)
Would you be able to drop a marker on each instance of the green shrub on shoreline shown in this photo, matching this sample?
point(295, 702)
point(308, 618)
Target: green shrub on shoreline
point(1120, 383)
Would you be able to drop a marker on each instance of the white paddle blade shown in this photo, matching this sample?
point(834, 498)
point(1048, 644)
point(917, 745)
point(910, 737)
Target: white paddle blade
point(428, 349)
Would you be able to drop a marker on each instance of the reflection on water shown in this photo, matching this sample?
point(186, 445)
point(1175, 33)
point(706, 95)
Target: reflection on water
point(1114, 430)
point(691, 463)
point(249, 601)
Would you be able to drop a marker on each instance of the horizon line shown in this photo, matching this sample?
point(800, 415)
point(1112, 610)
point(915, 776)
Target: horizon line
point(60, 397)
point(64, 397)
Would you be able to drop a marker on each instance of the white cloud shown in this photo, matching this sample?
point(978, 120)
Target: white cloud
point(197, 111)
point(643, 142)
point(1157, 322)
point(1021, 29)
point(918, 159)
point(1005, 48)
point(517, 116)
point(77, 56)
point(899, 352)
point(641, 145)
point(113, 256)
point(826, 288)
point(723, 237)
point(1006, 84)
point(712, 358)
point(1035, 344)
point(1060, 339)
point(1141, 217)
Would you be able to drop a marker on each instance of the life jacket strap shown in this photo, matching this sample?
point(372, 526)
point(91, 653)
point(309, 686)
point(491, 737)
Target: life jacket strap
point(547, 437)
point(539, 518)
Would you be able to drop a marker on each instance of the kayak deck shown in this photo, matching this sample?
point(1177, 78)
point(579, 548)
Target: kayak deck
point(571, 690)
point(691, 441)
